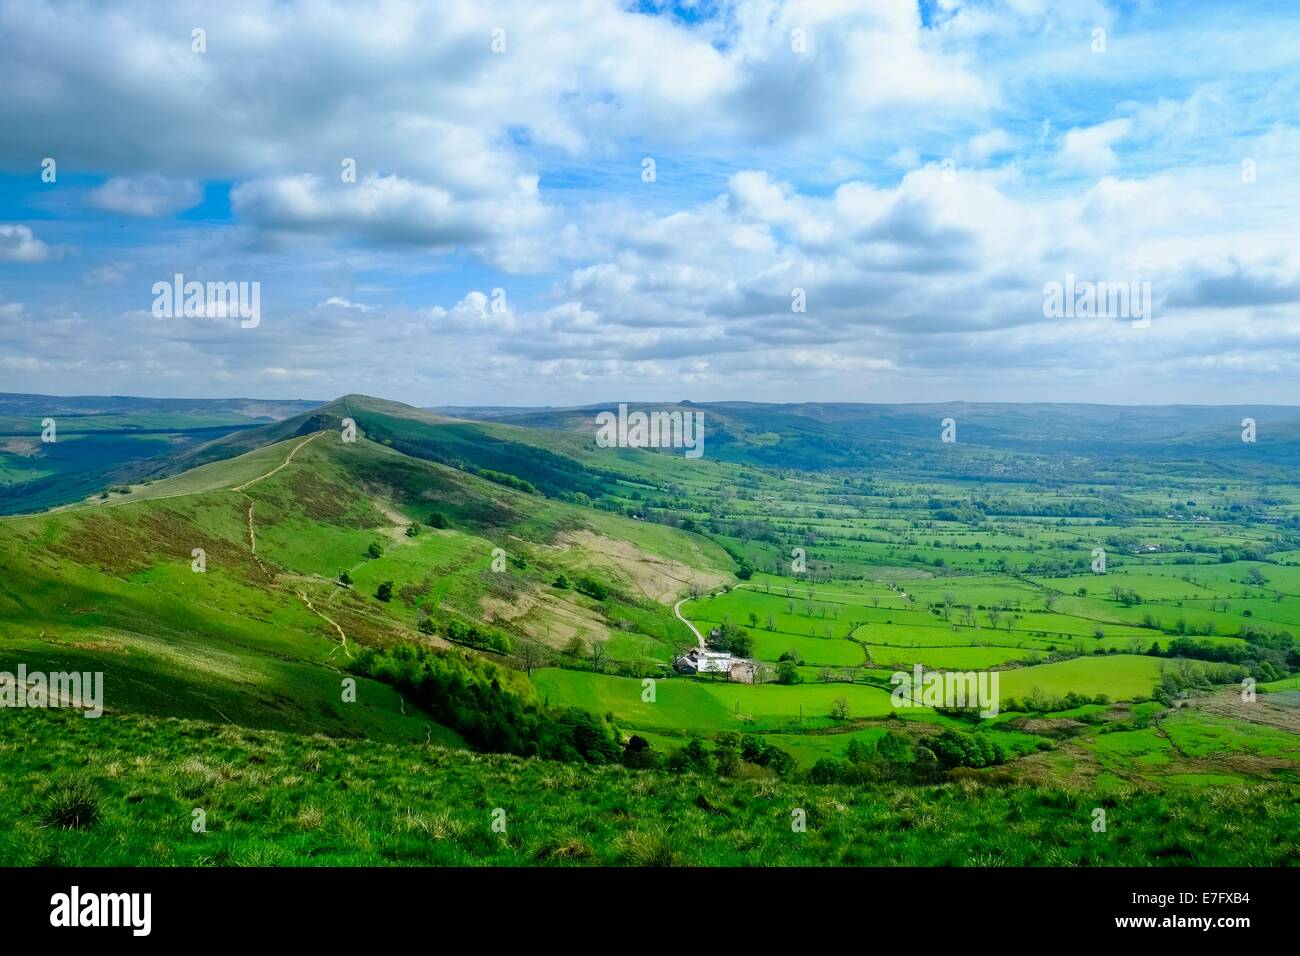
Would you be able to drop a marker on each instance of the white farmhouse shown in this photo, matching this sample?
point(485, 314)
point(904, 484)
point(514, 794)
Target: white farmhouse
point(699, 660)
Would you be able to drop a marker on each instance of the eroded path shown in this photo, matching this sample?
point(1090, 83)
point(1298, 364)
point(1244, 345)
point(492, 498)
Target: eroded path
point(284, 464)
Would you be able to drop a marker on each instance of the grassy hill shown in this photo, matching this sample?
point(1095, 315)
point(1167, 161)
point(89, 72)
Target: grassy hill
point(490, 585)
point(126, 791)
point(259, 636)
point(102, 441)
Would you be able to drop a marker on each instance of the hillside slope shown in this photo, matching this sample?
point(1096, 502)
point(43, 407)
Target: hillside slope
point(262, 634)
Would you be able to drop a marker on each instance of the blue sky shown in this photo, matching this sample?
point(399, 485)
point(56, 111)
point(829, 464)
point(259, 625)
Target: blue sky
point(919, 172)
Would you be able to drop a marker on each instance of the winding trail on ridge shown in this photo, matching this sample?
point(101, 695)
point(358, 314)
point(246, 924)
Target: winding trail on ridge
point(252, 544)
point(288, 458)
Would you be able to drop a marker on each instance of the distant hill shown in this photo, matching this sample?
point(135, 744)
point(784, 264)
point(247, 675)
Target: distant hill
point(816, 436)
point(116, 441)
point(109, 440)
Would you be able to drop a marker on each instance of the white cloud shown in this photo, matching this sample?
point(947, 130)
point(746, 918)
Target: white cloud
point(1089, 150)
point(150, 197)
point(391, 211)
point(110, 273)
point(18, 244)
point(988, 144)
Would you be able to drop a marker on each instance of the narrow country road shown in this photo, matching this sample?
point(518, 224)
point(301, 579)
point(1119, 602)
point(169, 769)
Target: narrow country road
point(677, 610)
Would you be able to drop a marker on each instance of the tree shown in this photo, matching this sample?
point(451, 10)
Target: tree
point(753, 619)
point(787, 672)
point(345, 579)
point(639, 754)
point(561, 582)
point(532, 655)
point(994, 615)
point(376, 550)
point(436, 520)
point(1049, 599)
point(598, 654)
point(840, 709)
point(412, 530)
point(385, 591)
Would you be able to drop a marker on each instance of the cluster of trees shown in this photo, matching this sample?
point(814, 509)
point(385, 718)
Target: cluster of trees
point(1182, 676)
point(1266, 656)
point(733, 638)
point(468, 695)
point(733, 755)
point(510, 481)
point(895, 757)
point(1126, 596)
point(471, 635)
point(1040, 702)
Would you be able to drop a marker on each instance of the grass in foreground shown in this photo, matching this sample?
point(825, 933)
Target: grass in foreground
point(123, 790)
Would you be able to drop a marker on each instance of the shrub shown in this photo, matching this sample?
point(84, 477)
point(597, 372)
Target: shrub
point(592, 588)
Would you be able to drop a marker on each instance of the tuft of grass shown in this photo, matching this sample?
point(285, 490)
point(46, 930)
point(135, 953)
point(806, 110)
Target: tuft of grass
point(73, 805)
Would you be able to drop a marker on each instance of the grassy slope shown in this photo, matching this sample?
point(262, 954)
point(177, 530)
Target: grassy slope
point(109, 586)
point(281, 799)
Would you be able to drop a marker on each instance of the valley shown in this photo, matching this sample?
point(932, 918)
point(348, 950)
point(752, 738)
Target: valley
point(443, 588)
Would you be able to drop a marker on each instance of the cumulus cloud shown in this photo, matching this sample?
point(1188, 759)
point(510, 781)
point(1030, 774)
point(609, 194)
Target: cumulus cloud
point(389, 210)
point(150, 197)
point(1089, 150)
point(18, 244)
point(800, 146)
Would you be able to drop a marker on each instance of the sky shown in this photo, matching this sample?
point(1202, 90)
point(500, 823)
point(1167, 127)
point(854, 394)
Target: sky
point(561, 202)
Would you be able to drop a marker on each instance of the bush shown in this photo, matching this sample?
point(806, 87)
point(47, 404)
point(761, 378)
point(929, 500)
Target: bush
point(592, 588)
point(639, 754)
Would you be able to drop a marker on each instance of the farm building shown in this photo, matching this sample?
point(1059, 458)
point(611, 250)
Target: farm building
point(700, 660)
